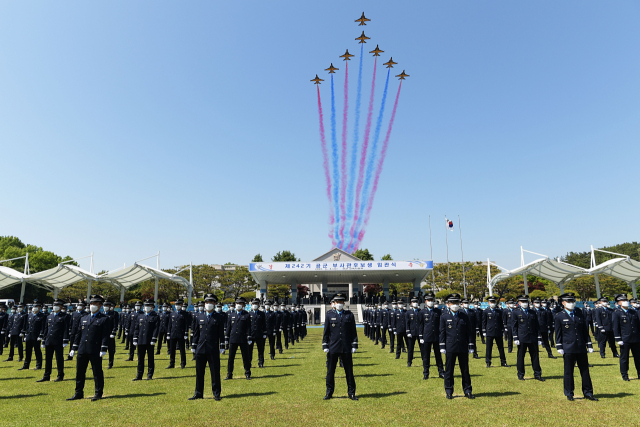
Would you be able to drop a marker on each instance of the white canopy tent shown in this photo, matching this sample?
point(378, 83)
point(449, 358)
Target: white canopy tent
point(621, 268)
point(59, 277)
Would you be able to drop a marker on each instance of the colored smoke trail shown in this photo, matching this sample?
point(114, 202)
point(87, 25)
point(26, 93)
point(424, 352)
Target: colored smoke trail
point(325, 161)
point(363, 157)
point(356, 136)
point(334, 155)
point(343, 168)
point(383, 154)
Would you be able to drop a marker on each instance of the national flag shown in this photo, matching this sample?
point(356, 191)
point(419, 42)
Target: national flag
point(449, 224)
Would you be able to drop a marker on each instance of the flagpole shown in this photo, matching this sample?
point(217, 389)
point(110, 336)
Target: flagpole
point(433, 281)
point(464, 282)
point(446, 238)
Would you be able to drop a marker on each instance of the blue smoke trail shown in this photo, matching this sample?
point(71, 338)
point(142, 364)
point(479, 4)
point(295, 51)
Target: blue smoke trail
point(334, 154)
point(372, 160)
point(354, 151)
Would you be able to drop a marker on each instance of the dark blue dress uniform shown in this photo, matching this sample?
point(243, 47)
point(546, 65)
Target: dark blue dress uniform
point(258, 331)
point(400, 330)
point(92, 340)
point(626, 329)
point(341, 339)
point(603, 322)
point(493, 330)
point(75, 326)
point(572, 339)
point(545, 327)
point(507, 319)
point(238, 332)
point(392, 329)
point(271, 319)
point(145, 336)
point(177, 333)
point(33, 333)
point(4, 321)
point(207, 344)
point(414, 327)
point(56, 335)
point(15, 327)
point(286, 327)
point(456, 338)
point(115, 320)
point(527, 331)
point(133, 320)
point(162, 331)
point(430, 334)
point(279, 324)
point(384, 326)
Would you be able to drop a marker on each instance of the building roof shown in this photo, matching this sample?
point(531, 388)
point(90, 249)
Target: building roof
point(341, 255)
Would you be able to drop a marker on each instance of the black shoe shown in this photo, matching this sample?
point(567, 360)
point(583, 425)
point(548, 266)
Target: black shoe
point(260, 365)
point(404, 351)
point(391, 351)
point(37, 368)
point(69, 358)
point(540, 379)
point(9, 359)
point(382, 346)
point(23, 368)
point(195, 396)
point(170, 367)
point(273, 358)
point(183, 366)
point(551, 356)
point(616, 356)
point(625, 378)
point(425, 377)
point(157, 353)
point(601, 356)
point(20, 360)
point(229, 377)
point(76, 396)
point(96, 397)
point(469, 396)
point(521, 378)
point(126, 349)
point(570, 398)
point(408, 364)
point(397, 356)
point(43, 379)
point(279, 351)
point(129, 359)
point(591, 397)
point(137, 379)
point(353, 397)
point(149, 377)
point(110, 366)
point(509, 351)
point(475, 356)
point(248, 377)
point(449, 396)
point(590, 365)
point(327, 396)
point(504, 365)
point(441, 375)
point(488, 365)
point(58, 379)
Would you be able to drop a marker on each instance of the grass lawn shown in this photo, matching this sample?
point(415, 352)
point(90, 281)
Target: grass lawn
point(289, 391)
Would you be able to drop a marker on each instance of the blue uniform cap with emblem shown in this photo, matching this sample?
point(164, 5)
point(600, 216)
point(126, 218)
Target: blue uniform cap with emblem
point(621, 297)
point(96, 298)
point(58, 302)
point(150, 302)
point(339, 297)
point(210, 298)
point(36, 303)
point(568, 297)
point(522, 298)
point(241, 300)
point(452, 298)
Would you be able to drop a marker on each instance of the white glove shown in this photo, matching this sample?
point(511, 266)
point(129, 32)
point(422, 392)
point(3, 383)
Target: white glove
point(264, 336)
point(484, 335)
point(280, 329)
point(64, 345)
point(517, 342)
point(539, 342)
point(409, 335)
point(71, 353)
point(249, 342)
point(222, 351)
point(112, 336)
point(39, 339)
point(353, 350)
point(395, 333)
point(620, 342)
point(21, 335)
point(590, 350)
point(2, 332)
point(24, 339)
point(103, 353)
point(185, 337)
point(560, 352)
point(193, 350)
point(126, 334)
point(443, 351)
point(326, 350)
point(41, 345)
point(153, 343)
point(421, 341)
point(274, 334)
point(470, 351)
point(602, 330)
point(135, 343)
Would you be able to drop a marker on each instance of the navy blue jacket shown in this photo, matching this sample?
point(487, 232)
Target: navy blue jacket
point(340, 334)
point(34, 327)
point(473, 318)
point(271, 322)
point(146, 329)
point(4, 321)
point(258, 324)
point(178, 325)
point(400, 325)
point(525, 326)
point(413, 322)
point(430, 321)
point(572, 333)
point(603, 319)
point(17, 323)
point(93, 334)
point(626, 326)
point(56, 331)
point(492, 323)
point(238, 329)
point(456, 333)
point(384, 318)
point(75, 321)
point(208, 336)
point(115, 321)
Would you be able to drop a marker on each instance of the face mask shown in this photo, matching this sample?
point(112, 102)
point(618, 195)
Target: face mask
point(386, 307)
point(56, 308)
point(415, 305)
point(537, 305)
point(570, 305)
point(148, 309)
point(138, 307)
point(401, 307)
point(267, 307)
point(625, 304)
point(184, 308)
point(544, 305)
point(339, 307)
point(281, 308)
point(492, 306)
point(218, 309)
point(94, 308)
point(394, 306)
point(454, 307)
point(239, 307)
point(209, 307)
point(524, 305)
point(254, 307)
point(465, 306)
point(35, 310)
point(178, 307)
point(429, 304)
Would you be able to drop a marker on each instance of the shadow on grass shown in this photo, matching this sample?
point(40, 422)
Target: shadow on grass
point(20, 396)
point(365, 364)
point(613, 396)
point(282, 366)
point(552, 377)
point(497, 394)
point(235, 396)
point(173, 378)
point(127, 396)
point(372, 375)
point(16, 378)
point(273, 376)
point(379, 395)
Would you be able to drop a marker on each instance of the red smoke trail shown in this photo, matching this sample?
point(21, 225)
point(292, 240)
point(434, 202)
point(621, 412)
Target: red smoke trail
point(343, 179)
point(383, 154)
point(363, 157)
point(325, 164)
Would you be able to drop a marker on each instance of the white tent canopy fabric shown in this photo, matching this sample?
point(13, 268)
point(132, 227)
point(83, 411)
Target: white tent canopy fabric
point(9, 277)
point(553, 270)
point(60, 277)
point(127, 277)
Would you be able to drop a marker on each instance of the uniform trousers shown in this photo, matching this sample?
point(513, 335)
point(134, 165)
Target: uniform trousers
point(246, 357)
point(489, 349)
point(145, 349)
point(603, 339)
point(570, 360)
point(535, 359)
point(213, 359)
point(450, 364)
point(49, 351)
point(81, 372)
point(347, 361)
point(33, 346)
point(426, 357)
point(15, 341)
point(177, 343)
point(625, 349)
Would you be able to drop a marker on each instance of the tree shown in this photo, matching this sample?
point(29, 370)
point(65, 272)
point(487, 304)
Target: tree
point(285, 256)
point(363, 254)
point(387, 257)
point(441, 294)
point(401, 289)
point(303, 291)
point(280, 291)
point(372, 288)
point(537, 294)
point(257, 258)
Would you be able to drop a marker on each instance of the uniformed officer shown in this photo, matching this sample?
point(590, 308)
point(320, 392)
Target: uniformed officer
point(91, 343)
point(4, 321)
point(258, 331)
point(392, 325)
point(430, 335)
point(75, 325)
point(573, 342)
point(198, 309)
point(145, 336)
point(507, 319)
point(414, 326)
point(626, 330)
point(163, 316)
point(108, 307)
point(133, 321)
point(604, 323)
point(15, 328)
point(279, 325)
point(238, 335)
point(400, 329)
point(543, 323)
point(56, 337)
point(492, 329)
point(295, 318)
point(292, 325)
point(384, 323)
point(124, 321)
point(466, 306)
point(303, 322)
point(33, 333)
point(208, 344)
point(479, 312)
point(456, 342)
point(120, 322)
point(271, 319)
point(526, 335)
point(340, 341)
point(178, 333)
point(286, 325)
point(550, 315)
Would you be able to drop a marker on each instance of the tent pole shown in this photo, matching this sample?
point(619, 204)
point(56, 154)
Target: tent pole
point(155, 294)
point(597, 285)
point(190, 281)
point(55, 293)
point(122, 290)
point(22, 291)
point(89, 290)
point(633, 288)
point(526, 287)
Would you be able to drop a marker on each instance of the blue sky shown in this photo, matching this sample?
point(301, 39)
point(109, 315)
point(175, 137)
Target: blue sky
point(191, 127)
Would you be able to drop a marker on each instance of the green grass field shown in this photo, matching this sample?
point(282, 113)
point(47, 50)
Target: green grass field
point(289, 391)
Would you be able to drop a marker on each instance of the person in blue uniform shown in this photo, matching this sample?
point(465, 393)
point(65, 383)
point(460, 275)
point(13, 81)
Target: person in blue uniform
point(91, 343)
point(4, 321)
point(392, 325)
point(414, 326)
point(492, 330)
point(400, 329)
point(279, 325)
point(271, 319)
point(456, 343)
point(430, 335)
point(33, 333)
point(108, 307)
point(208, 344)
point(507, 319)
point(133, 320)
point(626, 331)
point(125, 325)
point(56, 337)
point(340, 341)
point(75, 322)
point(573, 342)
point(145, 336)
point(258, 331)
point(526, 335)
point(163, 316)
point(543, 324)
point(15, 328)
point(471, 313)
point(603, 322)
point(238, 335)
point(178, 334)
